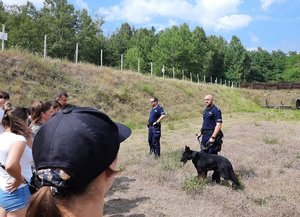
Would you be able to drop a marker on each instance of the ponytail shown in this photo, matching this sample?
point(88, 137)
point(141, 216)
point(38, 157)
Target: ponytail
point(42, 204)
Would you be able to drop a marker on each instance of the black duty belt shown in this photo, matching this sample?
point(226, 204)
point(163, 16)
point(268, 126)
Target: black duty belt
point(207, 132)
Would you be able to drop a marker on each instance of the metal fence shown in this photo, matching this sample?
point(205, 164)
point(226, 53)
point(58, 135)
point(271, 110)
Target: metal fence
point(272, 86)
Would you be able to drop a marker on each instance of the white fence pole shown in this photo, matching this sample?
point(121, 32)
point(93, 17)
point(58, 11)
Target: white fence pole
point(76, 54)
point(191, 77)
point(173, 72)
point(45, 46)
point(101, 58)
point(121, 62)
point(139, 65)
point(198, 77)
point(3, 38)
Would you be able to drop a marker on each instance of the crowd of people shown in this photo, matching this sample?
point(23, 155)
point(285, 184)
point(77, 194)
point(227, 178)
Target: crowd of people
point(54, 155)
point(51, 163)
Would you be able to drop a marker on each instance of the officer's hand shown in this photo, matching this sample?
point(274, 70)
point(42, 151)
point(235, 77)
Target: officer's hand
point(212, 139)
point(154, 123)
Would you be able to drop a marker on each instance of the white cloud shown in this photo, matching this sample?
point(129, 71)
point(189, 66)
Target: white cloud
point(36, 3)
point(254, 38)
point(82, 4)
point(266, 4)
point(232, 22)
point(215, 14)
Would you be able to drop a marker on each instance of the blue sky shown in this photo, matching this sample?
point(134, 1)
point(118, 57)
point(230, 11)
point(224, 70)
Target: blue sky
point(270, 24)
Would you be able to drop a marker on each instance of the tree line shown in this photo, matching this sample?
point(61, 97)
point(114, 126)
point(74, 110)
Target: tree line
point(176, 47)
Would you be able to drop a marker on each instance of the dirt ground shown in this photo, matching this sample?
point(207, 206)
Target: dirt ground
point(265, 154)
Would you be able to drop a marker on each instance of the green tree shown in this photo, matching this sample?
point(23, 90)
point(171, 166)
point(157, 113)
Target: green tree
point(90, 38)
point(214, 58)
point(59, 22)
point(278, 65)
point(142, 43)
point(292, 71)
point(236, 61)
point(173, 49)
point(262, 66)
point(200, 48)
point(22, 28)
point(119, 43)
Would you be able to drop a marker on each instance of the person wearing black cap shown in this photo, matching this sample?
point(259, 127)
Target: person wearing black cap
point(74, 155)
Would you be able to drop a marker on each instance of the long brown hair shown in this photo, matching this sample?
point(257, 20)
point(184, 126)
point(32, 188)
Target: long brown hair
point(16, 120)
point(37, 109)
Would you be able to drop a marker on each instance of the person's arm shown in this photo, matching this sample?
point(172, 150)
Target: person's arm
point(160, 118)
point(13, 167)
point(216, 130)
point(218, 118)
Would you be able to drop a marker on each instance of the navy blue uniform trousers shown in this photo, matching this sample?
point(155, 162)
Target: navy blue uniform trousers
point(154, 134)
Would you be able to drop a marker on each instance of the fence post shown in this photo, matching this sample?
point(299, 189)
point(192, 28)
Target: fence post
point(211, 79)
point(121, 62)
point(204, 80)
point(76, 54)
point(191, 77)
point(163, 71)
point(101, 58)
point(138, 65)
point(182, 75)
point(3, 32)
point(173, 72)
point(198, 77)
point(45, 46)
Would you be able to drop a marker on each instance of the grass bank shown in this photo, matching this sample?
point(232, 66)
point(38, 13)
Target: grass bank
point(124, 95)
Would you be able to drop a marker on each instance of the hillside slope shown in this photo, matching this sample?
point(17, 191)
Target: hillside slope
point(124, 95)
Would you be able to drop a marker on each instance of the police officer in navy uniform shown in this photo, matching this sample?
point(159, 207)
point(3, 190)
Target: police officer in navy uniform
point(211, 130)
point(157, 114)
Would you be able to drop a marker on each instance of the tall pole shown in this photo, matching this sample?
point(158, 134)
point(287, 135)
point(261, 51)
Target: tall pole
point(173, 72)
point(76, 54)
point(101, 58)
point(45, 46)
point(3, 30)
point(121, 62)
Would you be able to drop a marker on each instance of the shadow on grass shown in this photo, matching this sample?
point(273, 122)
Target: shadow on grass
point(120, 184)
point(118, 207)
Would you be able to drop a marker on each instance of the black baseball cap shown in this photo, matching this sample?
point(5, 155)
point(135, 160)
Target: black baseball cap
point(80, 140)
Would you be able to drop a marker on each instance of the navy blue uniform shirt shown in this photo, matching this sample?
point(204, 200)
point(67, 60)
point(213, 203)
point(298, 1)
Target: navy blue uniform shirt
point(155, 113)
point(211, 116)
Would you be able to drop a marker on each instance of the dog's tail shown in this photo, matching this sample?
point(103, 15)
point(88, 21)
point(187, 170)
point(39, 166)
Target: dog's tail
point(234, 179)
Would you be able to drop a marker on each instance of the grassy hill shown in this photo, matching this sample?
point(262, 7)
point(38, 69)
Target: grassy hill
point(265, 154)
point(124, 95)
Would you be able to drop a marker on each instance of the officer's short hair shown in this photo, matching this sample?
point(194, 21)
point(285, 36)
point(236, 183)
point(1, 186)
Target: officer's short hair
point(154, 99)
point(61, 94)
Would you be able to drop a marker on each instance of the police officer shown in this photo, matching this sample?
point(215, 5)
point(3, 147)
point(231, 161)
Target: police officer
point(211, 130)
point(157, 114)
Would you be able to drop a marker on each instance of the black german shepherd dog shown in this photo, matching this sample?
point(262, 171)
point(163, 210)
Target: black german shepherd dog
point(204, 162)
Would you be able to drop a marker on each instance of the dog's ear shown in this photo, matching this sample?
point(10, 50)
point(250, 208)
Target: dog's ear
point(187, 148)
